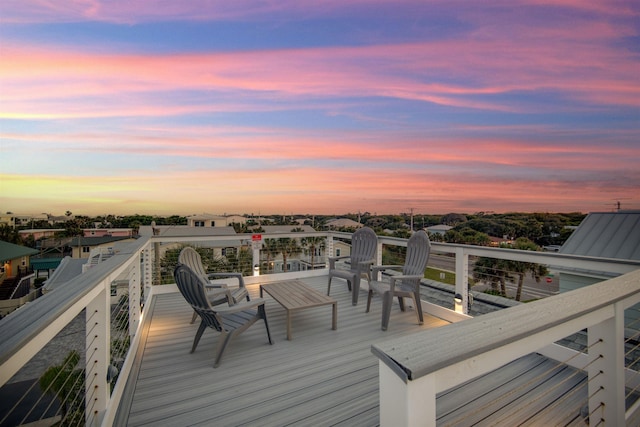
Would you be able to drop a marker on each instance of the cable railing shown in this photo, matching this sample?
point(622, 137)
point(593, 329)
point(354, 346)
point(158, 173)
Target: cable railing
point(415, 369)
point(109, 301)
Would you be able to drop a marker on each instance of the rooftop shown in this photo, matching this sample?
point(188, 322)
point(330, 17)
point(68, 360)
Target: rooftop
point(501, 368)
point(320, 377)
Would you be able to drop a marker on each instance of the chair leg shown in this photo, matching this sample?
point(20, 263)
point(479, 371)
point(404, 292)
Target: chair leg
point(263, 314)
point(329, 286)
point(416, 301)
point(369, 297)
point(387, 301)
point(401, 302)
point(223, 342)
point(193, 318)
point(199, 333)
point(355, 290)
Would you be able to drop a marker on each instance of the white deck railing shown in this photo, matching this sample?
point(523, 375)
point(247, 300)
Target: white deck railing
point(414, 369)
point(25, 332)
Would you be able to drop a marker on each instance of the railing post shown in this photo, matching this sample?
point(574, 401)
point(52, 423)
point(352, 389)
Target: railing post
point(329, 248)
point(148, 270)
point(462, 279)
point(156, 266)
point(378, 259)
point(97, 356)
point(256, 257)
point(406, 404)
point(606, 370)
point(134, 296)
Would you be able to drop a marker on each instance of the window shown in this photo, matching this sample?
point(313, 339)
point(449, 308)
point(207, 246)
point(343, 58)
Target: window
point(86, 249)
point(337, 251)
point(198, 223)
point(213, 223)
point(228, 251)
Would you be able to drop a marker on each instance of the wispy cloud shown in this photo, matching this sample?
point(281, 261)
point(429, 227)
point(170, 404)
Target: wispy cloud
point(319, 105)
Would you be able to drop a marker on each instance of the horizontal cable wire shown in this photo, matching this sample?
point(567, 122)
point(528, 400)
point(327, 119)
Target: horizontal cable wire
point(527, 384)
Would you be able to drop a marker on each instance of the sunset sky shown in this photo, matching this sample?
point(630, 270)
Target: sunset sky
point(324, 106)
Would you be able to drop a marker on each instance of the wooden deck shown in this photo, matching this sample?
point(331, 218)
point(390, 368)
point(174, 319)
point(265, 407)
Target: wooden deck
point(321, 377)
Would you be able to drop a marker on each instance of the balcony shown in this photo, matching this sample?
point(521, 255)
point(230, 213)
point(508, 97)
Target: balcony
point(502, 367)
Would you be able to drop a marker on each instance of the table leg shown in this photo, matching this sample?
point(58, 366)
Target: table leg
point(334, 321)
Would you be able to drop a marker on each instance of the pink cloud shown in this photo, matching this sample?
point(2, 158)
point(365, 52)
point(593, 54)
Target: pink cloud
point(40, 81)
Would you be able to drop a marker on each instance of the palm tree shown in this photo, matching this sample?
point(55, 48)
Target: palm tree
point(313, 243)
point(272, 249)
point(498, 271)
point(493, 271)
point(521, 269)
point(288, 247)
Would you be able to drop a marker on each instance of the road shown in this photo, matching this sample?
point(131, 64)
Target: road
point(530, 290)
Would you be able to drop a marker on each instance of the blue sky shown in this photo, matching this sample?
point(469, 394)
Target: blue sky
point(321, 107)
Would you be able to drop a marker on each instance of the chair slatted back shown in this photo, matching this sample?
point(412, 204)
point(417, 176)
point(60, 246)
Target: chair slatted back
point(191, 258)
point(364, 244)
point(192, 288)
point(418, 249)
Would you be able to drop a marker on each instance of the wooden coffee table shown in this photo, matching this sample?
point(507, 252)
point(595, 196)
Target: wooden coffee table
point(294, 295)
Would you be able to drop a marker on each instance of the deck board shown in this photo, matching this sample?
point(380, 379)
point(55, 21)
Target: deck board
point(321, 377)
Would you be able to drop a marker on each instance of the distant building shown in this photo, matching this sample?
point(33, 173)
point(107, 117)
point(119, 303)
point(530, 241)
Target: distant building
point(209, 220)
point(21, 220)
point(42, 233)
point(440, 229)
point(81, 247)
point(499, 241)
point(342, 223)
point(110, 232)
point(15, 280)
point(14, 259)
point(271, 229)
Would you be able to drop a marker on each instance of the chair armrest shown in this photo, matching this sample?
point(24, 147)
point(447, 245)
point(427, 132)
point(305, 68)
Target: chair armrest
point(366, 265)
point(230, 274)
point(220, 292)
point(378, 268)
point(333, 259)
point(209, 287)
point(239, 306)
point(399, 277)
point(213, 291)
point(407, 277)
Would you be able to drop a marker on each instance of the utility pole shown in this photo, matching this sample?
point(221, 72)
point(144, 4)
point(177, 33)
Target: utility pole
point(411, 210)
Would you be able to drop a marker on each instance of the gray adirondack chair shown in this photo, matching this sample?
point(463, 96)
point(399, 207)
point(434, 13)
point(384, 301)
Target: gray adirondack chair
point(406, 284)
point(364, 244)
point(230, 321)
point(218, 292)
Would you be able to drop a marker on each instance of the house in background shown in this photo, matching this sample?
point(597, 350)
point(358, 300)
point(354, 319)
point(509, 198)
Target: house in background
point(14, 220)
point(111, 232)
point(81, 247)
point(15, 282)
point(440, 229)
point(614, 235)
point(39, 233)
point(14, 259)
point(209, 220)
point(339, 223)
point(218, 247)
